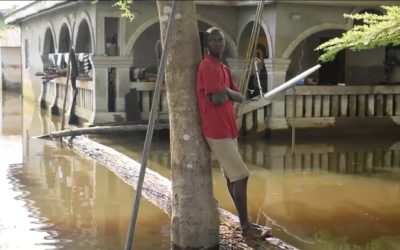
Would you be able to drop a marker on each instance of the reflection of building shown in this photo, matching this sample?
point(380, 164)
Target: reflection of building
point(10, 59)
point(83, 205)
point(110, 46)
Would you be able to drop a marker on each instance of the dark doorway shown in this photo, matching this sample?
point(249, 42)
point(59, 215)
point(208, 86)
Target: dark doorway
point(332, 73)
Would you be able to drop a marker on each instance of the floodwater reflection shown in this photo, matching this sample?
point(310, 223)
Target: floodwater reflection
point(333, 193)
point(58, 200)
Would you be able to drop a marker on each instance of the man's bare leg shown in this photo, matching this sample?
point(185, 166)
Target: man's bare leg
point(238, 192)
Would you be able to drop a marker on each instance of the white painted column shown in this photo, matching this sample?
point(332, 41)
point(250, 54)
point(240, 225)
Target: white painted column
point(101, 65)
point(276, 70)
point(122, 87)
point(236, 66)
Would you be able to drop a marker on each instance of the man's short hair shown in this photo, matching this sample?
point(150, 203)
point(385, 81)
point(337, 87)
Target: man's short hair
point(211, 31)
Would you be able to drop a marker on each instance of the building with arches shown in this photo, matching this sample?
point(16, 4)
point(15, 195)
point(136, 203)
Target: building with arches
point(118, 56)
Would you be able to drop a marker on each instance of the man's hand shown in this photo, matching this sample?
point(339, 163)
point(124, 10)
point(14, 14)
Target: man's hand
point(219, 98)
point(233, 95)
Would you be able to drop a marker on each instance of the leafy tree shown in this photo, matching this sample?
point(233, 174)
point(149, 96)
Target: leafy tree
point(124, 6)
point(376, 31)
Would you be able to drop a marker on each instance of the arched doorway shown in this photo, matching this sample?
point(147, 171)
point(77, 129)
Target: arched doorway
point(304, 56)
point(64, 39)
point(48, 48)
point(83, 42)
point(261, 53)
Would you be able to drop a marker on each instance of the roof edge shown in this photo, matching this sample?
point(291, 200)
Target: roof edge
point(31, 9)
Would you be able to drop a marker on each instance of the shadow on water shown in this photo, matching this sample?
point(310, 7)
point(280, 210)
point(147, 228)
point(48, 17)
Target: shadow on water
point(333, 193)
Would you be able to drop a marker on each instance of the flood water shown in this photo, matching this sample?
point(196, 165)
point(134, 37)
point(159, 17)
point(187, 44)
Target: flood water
point(333, 193)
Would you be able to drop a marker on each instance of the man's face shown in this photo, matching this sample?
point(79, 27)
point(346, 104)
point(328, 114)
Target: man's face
point(216, 43)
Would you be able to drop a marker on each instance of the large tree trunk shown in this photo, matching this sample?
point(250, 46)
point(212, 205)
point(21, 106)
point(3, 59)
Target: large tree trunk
point(194, 219)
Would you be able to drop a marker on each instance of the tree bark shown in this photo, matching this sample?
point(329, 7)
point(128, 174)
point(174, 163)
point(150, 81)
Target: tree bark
point(194, 218)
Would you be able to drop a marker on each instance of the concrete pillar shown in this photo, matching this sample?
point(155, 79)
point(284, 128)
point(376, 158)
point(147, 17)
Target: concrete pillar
point(100, 89)
point(276, 70)
point(101, 64)
point(236, 66)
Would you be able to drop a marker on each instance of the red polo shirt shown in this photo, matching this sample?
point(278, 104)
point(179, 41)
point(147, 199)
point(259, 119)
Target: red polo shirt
point(217, 121)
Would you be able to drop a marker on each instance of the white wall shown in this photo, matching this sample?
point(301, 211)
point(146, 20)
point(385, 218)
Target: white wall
point(33, 30)
point(11, 68)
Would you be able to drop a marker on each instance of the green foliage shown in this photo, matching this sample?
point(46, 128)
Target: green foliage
point(124, 6)
point(377, 31)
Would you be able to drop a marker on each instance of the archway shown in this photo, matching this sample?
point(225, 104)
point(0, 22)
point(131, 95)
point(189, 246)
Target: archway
point(83, 42)
point(48, 48)
point(262, 52)
point(304, 56)
point(262, 46)
point(48, 44)
point(64, 39)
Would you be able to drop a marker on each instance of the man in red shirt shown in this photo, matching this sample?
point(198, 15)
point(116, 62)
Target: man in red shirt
point(216, 93)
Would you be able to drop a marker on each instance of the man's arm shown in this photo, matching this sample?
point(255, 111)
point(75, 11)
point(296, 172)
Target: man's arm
point(234, 95)
point(218, 98)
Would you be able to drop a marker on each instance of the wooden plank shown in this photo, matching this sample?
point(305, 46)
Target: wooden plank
point(299, 106)
point(335, 106)
point(379, 105)
point(249, 121)
point(396, 158)
point(325, 105)
point(360, 162)
point(316, 161)
point(397, 105)
point(387, 158)
point(342, 161)
point(371, 105)
point(307, 161)
point(333, 162)
point(352, 105)
point(361, 104)
point(289, 106)
point(252, 105)
point(317, 112)
point(344, 102)
point(308, 105)
point(324, 162)
point(348, 90)
point(350, 162)
point(259, 157)
point(260, 118)
point(369, 162)
point(389, 105)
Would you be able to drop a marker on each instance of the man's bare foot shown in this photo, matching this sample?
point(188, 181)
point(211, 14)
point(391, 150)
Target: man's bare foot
point(253, 232)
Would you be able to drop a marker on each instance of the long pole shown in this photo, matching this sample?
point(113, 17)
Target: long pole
point(149, 134)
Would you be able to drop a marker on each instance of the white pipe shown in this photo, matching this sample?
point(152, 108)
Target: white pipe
point(291, 82)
